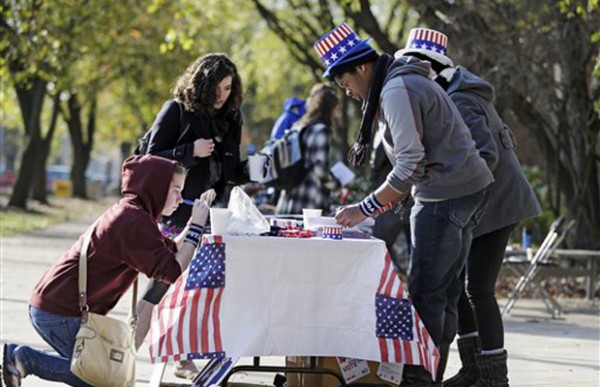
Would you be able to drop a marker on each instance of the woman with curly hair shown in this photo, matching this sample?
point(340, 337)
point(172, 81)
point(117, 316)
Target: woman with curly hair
point(201, 128)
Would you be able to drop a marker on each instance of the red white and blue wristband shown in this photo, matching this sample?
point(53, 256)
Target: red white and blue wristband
point(369, 205)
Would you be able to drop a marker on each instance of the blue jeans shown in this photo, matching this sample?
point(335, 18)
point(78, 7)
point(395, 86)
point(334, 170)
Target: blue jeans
point(441, 238)
point(59, 332)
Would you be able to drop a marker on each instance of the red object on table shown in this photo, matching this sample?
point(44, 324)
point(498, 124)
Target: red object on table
point(296, 233)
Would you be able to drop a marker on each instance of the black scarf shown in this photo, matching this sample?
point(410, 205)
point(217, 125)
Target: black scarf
point(218, 126)
point(359, 151)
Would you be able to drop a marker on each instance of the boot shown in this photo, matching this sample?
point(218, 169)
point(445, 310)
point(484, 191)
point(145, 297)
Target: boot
point(493, 370)
point(469, 373)
point(444, 350)
point(415, 376)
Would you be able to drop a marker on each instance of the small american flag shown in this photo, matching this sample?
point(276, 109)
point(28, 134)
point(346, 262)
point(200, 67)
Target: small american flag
point(188, 318)
point(401, 333)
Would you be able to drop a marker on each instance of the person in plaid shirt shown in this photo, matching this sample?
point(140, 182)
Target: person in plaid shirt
point(322, 106)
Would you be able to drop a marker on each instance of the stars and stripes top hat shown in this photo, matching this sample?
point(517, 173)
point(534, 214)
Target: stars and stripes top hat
point(342, 46)
point(430, 43)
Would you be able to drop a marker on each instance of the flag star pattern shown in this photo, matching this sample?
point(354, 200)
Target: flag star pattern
point(208, 267)
point(188, 324)
point(401, 333)
point(336, 43)
point(191, 323)
point(394, 318)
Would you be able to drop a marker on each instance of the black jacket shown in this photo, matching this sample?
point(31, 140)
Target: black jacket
point(172, 136)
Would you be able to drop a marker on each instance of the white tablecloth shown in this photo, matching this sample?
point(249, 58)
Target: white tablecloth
point(294, 297)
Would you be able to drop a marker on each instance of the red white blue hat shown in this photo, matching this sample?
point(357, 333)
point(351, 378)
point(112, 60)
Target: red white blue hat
point(341, 46)
point(430, 43)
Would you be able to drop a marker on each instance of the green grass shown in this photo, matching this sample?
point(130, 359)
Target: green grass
point(37, 216)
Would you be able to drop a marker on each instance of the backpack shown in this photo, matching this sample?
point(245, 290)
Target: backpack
point(144, 141)
point(287, 167)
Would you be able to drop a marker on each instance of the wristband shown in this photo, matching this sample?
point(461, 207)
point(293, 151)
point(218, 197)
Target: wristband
point(369, 205)
point(194, 234)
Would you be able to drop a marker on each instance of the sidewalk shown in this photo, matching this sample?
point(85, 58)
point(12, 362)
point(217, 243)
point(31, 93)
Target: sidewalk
point(542, 352)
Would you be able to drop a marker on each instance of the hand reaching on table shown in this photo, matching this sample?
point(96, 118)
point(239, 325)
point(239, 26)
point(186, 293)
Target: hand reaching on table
point(349, 216)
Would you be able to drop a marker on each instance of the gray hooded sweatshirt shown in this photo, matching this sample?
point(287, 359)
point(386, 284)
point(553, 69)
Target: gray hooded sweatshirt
point(512, 198)
point(425, 138)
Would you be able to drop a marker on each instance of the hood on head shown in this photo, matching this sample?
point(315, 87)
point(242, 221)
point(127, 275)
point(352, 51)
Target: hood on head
point(146, 180)
point(464, 80)
point(408, 65)
point(293, 102)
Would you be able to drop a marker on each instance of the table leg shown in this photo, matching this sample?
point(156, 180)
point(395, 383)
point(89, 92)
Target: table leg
point(157, 374)
point(591, 282)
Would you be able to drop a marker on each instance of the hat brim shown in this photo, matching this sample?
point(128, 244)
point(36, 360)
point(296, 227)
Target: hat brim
point(440, 58)
point(362, 49)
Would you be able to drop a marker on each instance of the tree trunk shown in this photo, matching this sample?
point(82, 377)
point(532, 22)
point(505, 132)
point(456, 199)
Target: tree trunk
point(31, 100)
point(39, 183)
point(543, 71)
point(82, 148)
point(583, 129)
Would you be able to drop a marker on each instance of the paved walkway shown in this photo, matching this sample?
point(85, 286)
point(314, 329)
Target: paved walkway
point(542, 351)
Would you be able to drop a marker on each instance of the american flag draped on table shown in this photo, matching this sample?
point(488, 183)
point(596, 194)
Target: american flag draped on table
point(189, 322)
point(188, 317)
point(401, 333)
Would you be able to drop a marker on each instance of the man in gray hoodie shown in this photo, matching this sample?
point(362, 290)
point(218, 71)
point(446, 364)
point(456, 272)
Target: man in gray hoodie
point(434, 156)
point(480, 329)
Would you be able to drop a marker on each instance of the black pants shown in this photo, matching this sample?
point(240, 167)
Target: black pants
point(477, 308)
point(155, 291)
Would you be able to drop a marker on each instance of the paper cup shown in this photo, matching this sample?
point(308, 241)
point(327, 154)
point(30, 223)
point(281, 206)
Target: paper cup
point(219, 220)
point(309, 213)
point(256, 167)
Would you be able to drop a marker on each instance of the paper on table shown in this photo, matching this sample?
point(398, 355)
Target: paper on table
point(341, 172)
point(328, 221)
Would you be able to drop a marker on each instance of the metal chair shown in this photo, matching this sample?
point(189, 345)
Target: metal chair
point(558, 232)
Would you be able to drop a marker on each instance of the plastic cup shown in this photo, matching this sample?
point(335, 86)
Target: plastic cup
point(256, 167)
point(219, 220)
point(310, 213)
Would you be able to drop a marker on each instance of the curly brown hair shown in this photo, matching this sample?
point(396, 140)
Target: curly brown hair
point(196, 87)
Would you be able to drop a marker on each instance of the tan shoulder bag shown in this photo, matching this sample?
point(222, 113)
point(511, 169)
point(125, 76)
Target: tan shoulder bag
point(104, 352)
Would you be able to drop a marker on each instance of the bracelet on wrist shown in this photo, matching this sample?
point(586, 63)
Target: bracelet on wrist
point(194, 234)
point(385, 208)
point(369, 205)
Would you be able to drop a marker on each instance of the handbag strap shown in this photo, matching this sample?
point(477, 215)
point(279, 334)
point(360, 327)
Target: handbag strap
point(82, 277)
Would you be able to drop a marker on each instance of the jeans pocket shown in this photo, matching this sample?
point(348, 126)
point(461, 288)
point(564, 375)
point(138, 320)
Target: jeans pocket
point(469, 208)
point(460, 213)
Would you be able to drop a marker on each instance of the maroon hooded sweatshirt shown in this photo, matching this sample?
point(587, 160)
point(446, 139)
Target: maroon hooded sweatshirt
point(126, 240)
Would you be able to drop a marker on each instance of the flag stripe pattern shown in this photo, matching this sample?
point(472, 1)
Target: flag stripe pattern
point(336, 43)
point(188, 317)
point(401, 333)
point(428, 39)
